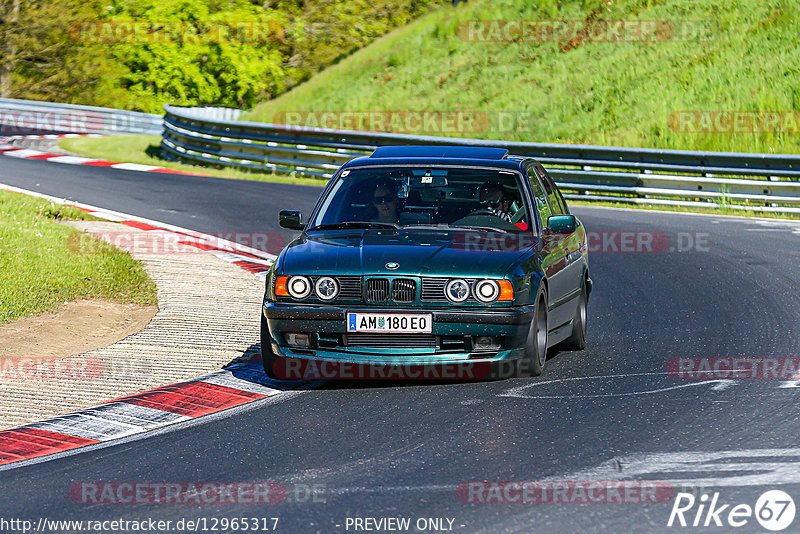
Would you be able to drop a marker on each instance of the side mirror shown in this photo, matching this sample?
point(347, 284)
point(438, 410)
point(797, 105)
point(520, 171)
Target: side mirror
point(293, 220)
point(562, 224)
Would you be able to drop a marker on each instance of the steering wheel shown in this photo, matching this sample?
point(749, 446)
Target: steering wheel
point(517, 211)
point(482, 211)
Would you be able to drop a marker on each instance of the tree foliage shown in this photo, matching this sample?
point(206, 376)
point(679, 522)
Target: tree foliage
point(333, 29)
point(78, 51)
point(213, 68)
point(48, 64)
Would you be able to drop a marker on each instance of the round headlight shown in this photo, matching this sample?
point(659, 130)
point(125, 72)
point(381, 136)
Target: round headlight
point(327, 288)
point(299, 287)
point(457, 290)
point(487, 291)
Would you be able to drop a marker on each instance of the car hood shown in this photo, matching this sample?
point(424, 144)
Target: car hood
point(440, 253)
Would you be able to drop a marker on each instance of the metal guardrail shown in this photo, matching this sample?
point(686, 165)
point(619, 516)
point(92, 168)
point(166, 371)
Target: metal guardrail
point(214, 113)
point(757, 182)
point(34, 117)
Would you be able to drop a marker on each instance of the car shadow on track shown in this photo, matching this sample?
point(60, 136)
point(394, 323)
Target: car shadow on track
point(248, 367)
point(498, 375)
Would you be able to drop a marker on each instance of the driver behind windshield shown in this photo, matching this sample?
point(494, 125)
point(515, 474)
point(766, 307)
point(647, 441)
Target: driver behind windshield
point(384, 198)
point(493, 199)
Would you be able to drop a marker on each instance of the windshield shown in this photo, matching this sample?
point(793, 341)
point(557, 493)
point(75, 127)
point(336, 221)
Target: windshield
point(412, 197)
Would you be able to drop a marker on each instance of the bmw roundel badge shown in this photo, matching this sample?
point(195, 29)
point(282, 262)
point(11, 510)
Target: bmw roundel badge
point(392, 265)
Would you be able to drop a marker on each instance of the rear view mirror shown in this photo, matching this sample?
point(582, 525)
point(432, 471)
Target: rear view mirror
point(293, 220)
point(562, 224)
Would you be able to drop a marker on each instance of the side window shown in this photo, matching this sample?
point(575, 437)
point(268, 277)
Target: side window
point(539, 196)
point(563, 202)
point(553, 195)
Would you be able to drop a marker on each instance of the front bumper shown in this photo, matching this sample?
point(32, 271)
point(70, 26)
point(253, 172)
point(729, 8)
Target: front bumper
point(454, 332)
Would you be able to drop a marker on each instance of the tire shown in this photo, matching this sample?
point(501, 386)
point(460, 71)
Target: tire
point(267, 356)
point(536, 348)
point(577, 341)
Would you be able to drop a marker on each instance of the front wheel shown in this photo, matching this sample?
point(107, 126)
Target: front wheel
point(536, 349)
point(267, 356)
point(577, 341)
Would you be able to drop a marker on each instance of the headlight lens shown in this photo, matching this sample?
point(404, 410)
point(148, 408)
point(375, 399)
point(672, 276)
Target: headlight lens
point(327, 288)
point(299, 287)
point(487, 291)
point(457, 290)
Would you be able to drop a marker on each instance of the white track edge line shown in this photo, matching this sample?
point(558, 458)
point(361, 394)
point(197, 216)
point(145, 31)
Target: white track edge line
point(125, 216)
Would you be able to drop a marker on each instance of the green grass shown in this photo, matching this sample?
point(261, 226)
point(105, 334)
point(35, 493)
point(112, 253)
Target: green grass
point(606, 93)
point(38, 271)
point(145, 149)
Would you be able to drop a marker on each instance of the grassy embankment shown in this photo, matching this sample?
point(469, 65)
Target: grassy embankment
point(38, 271)
point(743, 58)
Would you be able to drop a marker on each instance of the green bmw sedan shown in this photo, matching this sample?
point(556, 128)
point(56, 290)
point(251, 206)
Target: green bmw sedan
point(425, 256)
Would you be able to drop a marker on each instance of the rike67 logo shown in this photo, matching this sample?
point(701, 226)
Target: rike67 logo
point(774, 510)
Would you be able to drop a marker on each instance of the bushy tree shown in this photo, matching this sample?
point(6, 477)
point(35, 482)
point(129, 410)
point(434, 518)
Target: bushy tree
point(78, 51)
point(203, 66)
point(44, 62)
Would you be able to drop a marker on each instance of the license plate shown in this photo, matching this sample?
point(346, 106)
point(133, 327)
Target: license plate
point(389, 322)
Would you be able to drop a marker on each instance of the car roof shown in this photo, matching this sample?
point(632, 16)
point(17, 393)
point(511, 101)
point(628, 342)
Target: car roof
point(451, 152)
point(451, 156)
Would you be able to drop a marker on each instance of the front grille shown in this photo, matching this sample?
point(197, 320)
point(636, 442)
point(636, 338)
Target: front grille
point(391, 341)
point(433, 289)
point(376, 290)
point(349, 287)
point(404, 290)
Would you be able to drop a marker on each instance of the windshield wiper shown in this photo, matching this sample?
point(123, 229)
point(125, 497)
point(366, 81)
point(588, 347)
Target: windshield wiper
point(445, 227)
point(480, 228)
point(354, 224)
point(426, 227)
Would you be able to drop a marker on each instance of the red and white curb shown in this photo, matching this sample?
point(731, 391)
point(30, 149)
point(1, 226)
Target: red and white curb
point(26, 153)
point(136, 414)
